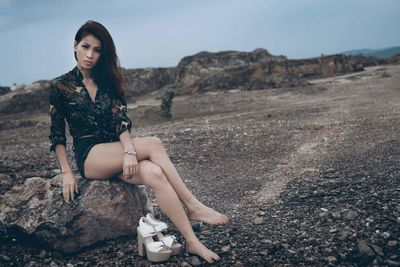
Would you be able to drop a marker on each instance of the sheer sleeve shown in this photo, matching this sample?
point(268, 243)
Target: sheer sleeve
point(120, 120)
point(57, 114)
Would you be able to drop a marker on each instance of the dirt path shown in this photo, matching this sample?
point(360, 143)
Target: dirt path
point(344, 99)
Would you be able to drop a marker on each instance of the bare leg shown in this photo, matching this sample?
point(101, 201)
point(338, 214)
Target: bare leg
point(106, 158)
point(153, 148)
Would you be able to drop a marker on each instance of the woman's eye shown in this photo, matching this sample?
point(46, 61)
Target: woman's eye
point(85, 46)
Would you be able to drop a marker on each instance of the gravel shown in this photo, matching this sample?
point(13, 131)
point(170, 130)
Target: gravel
point(308, 176)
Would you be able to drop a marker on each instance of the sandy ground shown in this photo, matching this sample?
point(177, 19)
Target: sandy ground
point(307, 175)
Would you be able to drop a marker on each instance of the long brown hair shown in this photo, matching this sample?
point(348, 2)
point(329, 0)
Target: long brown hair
point(107, 71)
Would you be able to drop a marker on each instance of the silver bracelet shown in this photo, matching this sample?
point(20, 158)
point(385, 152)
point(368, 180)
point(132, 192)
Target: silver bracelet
point(129, 152)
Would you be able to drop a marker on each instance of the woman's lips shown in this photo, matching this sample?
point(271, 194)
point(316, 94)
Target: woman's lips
point(88, 62)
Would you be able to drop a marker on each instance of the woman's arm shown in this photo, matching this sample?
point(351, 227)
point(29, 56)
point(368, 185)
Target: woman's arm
point(130, 165)
point(122, 125)
point(70, 184)
point(58, 141)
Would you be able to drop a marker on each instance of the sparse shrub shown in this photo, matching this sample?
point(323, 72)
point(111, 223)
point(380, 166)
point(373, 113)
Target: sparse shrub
point(166, 104)
point(385, 75)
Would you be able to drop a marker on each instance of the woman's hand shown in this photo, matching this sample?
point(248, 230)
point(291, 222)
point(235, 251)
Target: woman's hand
point(70, 186)
point(130, 165)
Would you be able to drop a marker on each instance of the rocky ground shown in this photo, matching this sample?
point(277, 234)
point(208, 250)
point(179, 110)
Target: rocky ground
point(308, 176)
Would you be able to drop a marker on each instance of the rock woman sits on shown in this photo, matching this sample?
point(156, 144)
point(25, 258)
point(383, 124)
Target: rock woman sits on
point(90, 98)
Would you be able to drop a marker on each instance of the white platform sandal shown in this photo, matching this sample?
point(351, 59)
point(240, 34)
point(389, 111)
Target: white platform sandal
point(156, 251)
point(168, 240)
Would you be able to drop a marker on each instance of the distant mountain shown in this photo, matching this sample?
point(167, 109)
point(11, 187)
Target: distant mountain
point(382, 53)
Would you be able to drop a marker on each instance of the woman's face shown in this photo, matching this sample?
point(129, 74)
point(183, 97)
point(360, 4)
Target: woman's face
point(88, 52)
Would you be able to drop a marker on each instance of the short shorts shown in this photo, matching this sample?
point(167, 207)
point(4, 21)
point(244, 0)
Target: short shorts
point(82, 147)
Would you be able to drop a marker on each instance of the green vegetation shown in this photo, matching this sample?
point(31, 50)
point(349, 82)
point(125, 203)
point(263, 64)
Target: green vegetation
point(166, 104)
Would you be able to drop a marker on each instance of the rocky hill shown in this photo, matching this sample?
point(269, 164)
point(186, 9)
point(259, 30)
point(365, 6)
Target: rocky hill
point(206, 71)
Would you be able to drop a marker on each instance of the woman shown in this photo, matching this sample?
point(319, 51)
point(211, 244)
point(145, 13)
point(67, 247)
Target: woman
point(91, 99)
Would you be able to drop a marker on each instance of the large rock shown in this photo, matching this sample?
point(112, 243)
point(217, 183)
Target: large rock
point(258, 69)
point(144, 81)
point(102, 210)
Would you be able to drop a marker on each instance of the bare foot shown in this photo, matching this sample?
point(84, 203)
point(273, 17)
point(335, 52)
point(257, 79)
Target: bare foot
point(198, 248)
point(205, 214)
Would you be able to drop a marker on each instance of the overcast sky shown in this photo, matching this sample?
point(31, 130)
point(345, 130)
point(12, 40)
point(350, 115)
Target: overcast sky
point(36, 36)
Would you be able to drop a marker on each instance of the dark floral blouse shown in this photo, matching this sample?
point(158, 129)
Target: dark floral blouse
point(70, 101)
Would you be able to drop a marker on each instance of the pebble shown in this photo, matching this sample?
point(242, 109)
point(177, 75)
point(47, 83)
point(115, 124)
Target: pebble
point(194, 261)
point(392, 243)
point(393, 263)
point(363, 248)
point(385, 235)
point(56, 171)
point(226, 248)
point(206, 232)
point(344, 235)
point(5, 258)
point(259, 220)
point(69, 265)
point(185, 264)
point(323, 215)
point(266, 241)
point(42, 254)
point(331, 259)
point(378, 250)
point(351, 215)
point(264, 252)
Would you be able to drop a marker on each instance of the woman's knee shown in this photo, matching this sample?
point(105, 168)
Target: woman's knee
point(155, 141)
point(154, 175)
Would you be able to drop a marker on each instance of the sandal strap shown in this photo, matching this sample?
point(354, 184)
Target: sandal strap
point(156, 246)
point(168, 240)
point(159, 225)
point(145, 229)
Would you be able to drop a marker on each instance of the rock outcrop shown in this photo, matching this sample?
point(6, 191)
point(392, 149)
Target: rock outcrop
point(103, 210)
point(233, 70)
point(206, 71)
point(144, 81)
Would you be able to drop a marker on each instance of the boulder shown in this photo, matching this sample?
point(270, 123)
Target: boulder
point(102, 210)
point(258, 69)
point(143, 81)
